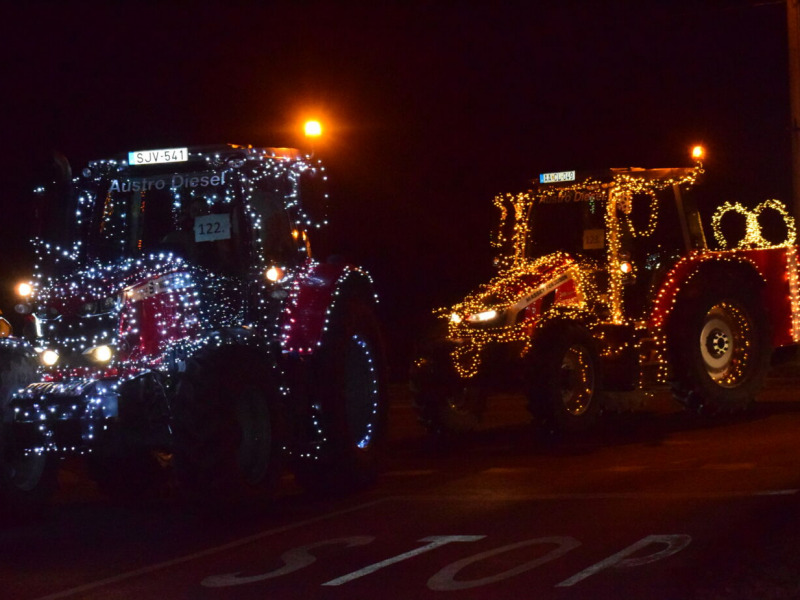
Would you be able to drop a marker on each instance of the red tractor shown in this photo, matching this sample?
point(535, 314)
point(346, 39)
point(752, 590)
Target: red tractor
point(182, 322)
point(606, 291)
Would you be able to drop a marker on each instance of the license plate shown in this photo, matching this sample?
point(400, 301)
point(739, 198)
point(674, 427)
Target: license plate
point(155, 157)
point(557, 177)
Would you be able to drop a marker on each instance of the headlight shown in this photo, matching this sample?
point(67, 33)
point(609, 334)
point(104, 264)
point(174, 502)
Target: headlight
point(49, 358)
point(100, 353)
point(482, 317)
point(275, 274)
point(455, 318)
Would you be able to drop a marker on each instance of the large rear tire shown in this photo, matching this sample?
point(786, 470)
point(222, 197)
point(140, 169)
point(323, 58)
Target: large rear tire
point(564, 378)
point(719, 347)
point(348, 384)
point(227, 431)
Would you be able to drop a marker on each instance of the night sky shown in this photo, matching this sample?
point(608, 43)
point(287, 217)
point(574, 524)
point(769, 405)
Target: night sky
point(431, 108)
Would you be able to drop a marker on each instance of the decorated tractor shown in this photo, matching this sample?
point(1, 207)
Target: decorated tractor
point(607, 290)
point(185, 328)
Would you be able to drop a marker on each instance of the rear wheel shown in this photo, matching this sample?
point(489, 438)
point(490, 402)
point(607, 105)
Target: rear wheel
point(564, 378)
point(719, 348)
point(348, 394)
point(226, 428)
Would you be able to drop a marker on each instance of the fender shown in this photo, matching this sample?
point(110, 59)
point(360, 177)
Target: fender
point(770, 265)
point(313, 301)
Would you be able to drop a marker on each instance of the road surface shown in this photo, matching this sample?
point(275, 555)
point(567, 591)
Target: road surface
point(654, 504)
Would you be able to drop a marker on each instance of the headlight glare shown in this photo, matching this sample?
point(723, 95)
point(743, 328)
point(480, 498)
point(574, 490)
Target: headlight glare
point(49, 357)
point(102, 353)
point(482, 317)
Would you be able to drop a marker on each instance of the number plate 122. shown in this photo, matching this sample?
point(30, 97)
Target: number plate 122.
point(212, 227)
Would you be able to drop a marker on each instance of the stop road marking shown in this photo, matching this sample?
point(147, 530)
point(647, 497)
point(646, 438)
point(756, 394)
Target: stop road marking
point(660, 547)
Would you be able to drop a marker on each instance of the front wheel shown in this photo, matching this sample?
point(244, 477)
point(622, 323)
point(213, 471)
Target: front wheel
point(445, 404)
point(28, 479)
point(226, 428)
point(719, 348)
point(29, 482)
point(564, 378)
point(131, 458)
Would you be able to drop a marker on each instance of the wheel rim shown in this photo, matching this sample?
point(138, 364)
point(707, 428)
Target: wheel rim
point(361, 392)
point(576, 383)
point(724, 341)
point(255, 445)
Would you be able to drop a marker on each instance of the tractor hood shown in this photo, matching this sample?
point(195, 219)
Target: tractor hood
point(520, 293)
point(99, 287)
point(120, 307)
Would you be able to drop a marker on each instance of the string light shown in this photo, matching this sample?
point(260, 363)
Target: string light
point(754, 235)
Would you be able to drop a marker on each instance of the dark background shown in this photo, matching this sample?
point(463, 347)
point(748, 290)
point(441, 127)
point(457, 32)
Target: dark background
point(430, 109)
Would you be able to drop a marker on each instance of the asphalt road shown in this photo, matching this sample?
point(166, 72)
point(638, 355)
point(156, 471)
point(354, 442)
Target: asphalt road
point(655, 504)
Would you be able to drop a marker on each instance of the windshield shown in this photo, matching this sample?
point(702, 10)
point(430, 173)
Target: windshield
point(194, 215)
point(572, 227)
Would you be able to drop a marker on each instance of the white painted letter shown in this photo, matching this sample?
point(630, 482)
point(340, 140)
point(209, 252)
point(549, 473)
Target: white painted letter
point(435, 542)
point(444, 580)
point(674, 544)
point(294, 559)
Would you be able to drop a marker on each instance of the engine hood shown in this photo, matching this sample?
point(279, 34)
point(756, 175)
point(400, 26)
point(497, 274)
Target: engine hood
point(515, 290)
point(96, 288)
point(115, 305)
point(508, 309)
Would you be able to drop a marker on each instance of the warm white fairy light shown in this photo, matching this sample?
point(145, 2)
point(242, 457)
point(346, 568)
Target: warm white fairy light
point(754, 234)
